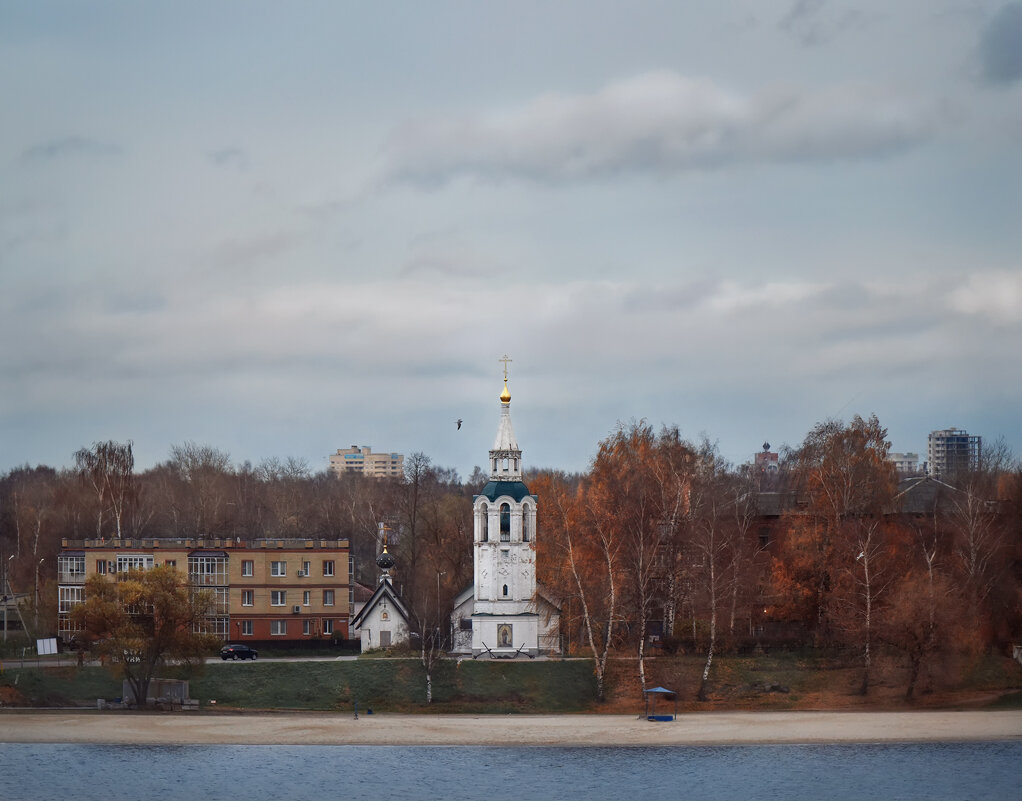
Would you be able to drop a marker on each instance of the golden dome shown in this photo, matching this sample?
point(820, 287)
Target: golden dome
point(505, 396)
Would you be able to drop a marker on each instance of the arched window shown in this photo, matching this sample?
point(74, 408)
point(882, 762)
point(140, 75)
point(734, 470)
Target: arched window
point(485, 524)
point(526, 524)
point(505, 590)
point(505, 522)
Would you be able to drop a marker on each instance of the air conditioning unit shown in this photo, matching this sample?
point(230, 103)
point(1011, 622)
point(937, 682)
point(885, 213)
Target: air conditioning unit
point(301, 574)
point(296, 609)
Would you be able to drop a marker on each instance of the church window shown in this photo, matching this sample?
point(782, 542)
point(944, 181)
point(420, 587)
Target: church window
point(486, 524)
point(526, 533)
point(505, 522)
point(506, 463)
point(505, 590)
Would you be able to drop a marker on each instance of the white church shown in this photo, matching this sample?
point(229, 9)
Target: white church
point(505, 614)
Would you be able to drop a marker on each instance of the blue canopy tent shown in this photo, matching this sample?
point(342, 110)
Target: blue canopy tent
point(662, 693)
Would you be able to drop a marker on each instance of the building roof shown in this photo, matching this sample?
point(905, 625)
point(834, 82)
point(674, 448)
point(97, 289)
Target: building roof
point(495, 489)
point(384, 590)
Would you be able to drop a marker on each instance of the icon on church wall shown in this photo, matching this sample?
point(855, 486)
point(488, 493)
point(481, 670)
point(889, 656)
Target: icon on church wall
point(504, 638)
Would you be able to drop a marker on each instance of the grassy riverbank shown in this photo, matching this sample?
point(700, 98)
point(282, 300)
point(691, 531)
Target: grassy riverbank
point(777, 681)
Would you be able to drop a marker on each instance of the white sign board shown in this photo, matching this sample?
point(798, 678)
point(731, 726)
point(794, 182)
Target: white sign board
point(48, 646)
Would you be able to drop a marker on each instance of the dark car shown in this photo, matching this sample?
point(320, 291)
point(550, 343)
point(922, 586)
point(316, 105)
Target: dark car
point(238, 652)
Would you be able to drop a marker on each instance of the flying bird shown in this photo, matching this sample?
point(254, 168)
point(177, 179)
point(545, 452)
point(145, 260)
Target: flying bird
point(458, 423)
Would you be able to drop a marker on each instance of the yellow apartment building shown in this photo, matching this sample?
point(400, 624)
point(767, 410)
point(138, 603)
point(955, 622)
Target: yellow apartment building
point(266, 590)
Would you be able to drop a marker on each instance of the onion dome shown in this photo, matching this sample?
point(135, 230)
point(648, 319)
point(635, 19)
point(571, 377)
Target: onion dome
point(385, 561)
point(505, 396)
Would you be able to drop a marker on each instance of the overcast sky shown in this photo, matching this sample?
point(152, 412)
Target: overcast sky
point(285, 228)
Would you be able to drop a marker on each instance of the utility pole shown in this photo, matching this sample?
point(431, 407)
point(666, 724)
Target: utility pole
point(35, 608)
point(4, 592)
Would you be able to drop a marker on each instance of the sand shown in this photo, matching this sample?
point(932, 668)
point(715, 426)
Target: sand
point(293, 728)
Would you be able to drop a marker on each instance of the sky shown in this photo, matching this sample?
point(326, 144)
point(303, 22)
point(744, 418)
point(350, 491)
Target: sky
point(280, 229)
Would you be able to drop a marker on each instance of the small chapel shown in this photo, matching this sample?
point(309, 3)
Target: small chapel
point(506, 613)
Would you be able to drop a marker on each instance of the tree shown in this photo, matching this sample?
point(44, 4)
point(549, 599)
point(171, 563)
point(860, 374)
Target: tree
point(109, 469)
point(836, 558)
point(142, 620)
point(639, 487)
point(579, 556)
point(710, 514)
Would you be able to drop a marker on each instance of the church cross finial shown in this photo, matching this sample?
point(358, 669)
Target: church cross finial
point(506, 359)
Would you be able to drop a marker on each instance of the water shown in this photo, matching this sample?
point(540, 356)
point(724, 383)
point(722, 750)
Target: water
point(935, 772)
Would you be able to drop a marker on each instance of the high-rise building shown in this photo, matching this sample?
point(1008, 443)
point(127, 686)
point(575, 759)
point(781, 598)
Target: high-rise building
point(907, 464)
point(951, 450)
point(361, 459)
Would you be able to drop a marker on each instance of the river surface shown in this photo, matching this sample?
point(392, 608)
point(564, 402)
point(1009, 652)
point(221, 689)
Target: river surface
point(870, 772)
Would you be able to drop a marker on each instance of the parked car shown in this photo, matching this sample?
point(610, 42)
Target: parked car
point(238, 652)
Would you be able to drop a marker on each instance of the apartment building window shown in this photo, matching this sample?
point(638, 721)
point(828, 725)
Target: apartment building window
point(134, 562)
point(306, 627)
point(221, 600)
point(351, 569)
point(247, 568)
point(101, 566)
point(328, 626)
point(328, 597)
point(278, 597)
point(171, 563)
point(278, 628)
point(307, 568)
point(246, 628)
point(207, 570)
point(328, 567)
point(69, 597)
point(71, 568)
point(306, 598)
point(278, 568)
point(248, 597)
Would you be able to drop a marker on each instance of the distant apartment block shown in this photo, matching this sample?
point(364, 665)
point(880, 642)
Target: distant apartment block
point(951, 450)
point(362, 460)
point(265, 590)
point(906, 464)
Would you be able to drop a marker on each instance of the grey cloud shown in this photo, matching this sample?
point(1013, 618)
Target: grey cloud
point(802, 20)
point(71, 147)
point(1001, 46)
point(242, 252)
point(230, 157)
point(659, 122)
point(807, 21)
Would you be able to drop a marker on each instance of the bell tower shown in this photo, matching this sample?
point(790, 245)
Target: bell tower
point(504, 615)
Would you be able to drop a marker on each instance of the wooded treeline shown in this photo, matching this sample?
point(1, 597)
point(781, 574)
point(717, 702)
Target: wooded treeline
point(661, 544)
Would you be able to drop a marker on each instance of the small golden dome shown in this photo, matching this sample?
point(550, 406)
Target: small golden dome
point(505, 396)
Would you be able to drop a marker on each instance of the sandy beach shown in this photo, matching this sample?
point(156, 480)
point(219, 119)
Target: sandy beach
point(593, 730)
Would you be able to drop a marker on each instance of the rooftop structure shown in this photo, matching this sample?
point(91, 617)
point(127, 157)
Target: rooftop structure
point(361, 459)
point(952, 450)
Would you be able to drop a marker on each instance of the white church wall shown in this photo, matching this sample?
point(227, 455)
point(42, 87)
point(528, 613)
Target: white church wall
point(382, 620)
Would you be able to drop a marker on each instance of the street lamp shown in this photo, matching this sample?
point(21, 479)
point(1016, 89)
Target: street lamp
point(4, 592)
point(36, 610)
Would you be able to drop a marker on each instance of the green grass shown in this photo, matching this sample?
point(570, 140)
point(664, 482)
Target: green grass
point(386, 685)
point(812, 678)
